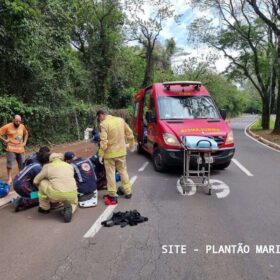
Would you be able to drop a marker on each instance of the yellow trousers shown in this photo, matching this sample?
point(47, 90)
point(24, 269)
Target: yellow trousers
point(47, 195)
point(119, 164)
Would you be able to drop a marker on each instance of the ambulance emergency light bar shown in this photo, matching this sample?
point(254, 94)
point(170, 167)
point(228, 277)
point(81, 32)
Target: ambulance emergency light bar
point(196, 84)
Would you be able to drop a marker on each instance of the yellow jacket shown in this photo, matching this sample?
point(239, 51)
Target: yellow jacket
point(113, 136)
point(59, 174)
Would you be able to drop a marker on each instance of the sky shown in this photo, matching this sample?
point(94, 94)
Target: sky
point(180, 33)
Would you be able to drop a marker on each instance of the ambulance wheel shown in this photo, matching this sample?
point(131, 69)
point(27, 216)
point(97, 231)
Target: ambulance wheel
point(158, 161)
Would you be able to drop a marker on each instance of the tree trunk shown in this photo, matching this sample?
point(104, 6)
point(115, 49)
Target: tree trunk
point(272, 90)
point(265, 113)
point(148, 78)
point(77, 125)
point(276, 129)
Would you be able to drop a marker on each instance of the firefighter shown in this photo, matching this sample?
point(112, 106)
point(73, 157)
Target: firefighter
point(57, 184)
point(114, 132)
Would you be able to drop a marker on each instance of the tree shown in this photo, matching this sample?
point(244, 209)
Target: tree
point(226, 95)
point(145, 28)
point(97, 36)
point(269, 12)
point(242, 34)
point(127, 76)
point(162, 57)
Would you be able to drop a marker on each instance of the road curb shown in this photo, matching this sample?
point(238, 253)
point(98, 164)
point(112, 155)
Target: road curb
point(261, 139)
point(7, 199)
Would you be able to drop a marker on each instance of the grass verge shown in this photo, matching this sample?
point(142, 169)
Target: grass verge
point(266, 134)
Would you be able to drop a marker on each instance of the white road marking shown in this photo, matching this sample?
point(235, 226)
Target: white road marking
point(143, 166)
point(104, 216)
point(97, 225)
point(191, 187)
point(215, 185)
point(220, 185)
point(271, 148)
point(244, 169)
point(133, 179)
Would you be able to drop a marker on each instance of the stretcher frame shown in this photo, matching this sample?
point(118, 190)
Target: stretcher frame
point(202, 173)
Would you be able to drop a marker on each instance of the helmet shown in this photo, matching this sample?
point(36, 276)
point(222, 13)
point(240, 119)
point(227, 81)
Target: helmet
point(4, 188)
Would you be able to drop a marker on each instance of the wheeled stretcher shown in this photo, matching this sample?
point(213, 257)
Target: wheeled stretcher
point(197, 153)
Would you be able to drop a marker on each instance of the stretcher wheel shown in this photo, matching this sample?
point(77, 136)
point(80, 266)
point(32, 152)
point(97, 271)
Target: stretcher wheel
point(186, 186)
point(209, 191)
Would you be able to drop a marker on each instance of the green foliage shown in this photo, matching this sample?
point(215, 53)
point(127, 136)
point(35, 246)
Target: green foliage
point(258, 124)
point(60, 58)
point(49, 125)
point(224, 92)
point(97, 36)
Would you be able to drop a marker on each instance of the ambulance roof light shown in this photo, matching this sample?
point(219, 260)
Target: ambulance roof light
point(196, 84)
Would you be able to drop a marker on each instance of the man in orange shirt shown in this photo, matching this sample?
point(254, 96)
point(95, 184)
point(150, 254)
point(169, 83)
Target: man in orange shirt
point(16, 138)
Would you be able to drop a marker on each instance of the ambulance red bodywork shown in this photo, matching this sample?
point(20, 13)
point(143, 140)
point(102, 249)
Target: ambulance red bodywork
point(164, 112)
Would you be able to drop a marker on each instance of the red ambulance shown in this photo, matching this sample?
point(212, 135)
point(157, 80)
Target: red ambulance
point(164, 112)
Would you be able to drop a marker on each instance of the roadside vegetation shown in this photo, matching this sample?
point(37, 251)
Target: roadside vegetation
point(266, 133)
point(62, 59)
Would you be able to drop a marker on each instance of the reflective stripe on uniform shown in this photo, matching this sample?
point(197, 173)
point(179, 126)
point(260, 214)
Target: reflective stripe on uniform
point(119, 153)
point(27, 169)
point(77, 170)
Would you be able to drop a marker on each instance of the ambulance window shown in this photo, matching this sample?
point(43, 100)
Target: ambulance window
point(187, 107)
point(136, 109)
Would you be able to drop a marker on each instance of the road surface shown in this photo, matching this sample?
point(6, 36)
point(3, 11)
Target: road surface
point(243, 210)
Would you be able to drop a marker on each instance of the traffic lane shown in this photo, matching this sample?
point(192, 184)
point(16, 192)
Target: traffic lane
point(245, 215)
point(259, 159)
point(44, 240)
point(32, 243)
point(136, 252)
point(243, 121)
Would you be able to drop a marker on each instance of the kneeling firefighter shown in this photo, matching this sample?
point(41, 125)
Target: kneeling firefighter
point(57, 184)
point(113, 136)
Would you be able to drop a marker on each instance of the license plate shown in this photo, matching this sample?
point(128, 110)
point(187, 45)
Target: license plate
point(207, 160)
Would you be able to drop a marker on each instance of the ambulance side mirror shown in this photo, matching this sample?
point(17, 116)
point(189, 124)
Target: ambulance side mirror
point(223, 113)
point(149, 117)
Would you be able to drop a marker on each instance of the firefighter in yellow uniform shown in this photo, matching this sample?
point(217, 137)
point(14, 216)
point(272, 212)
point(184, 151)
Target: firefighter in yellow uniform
point(57, 184)
point(113, 136)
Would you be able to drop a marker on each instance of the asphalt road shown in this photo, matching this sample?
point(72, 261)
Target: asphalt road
point(35, 246)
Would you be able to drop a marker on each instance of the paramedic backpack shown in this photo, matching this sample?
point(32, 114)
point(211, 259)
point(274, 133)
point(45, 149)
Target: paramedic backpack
point(4, 188)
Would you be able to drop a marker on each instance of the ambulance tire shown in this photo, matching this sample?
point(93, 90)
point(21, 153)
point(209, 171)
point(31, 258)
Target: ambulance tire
point(158, 161)
point(222, 166)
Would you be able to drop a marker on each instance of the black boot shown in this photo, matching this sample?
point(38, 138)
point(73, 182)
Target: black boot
point(67, 212)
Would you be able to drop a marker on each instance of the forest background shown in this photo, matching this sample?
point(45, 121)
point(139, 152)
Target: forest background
point(60, 60)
